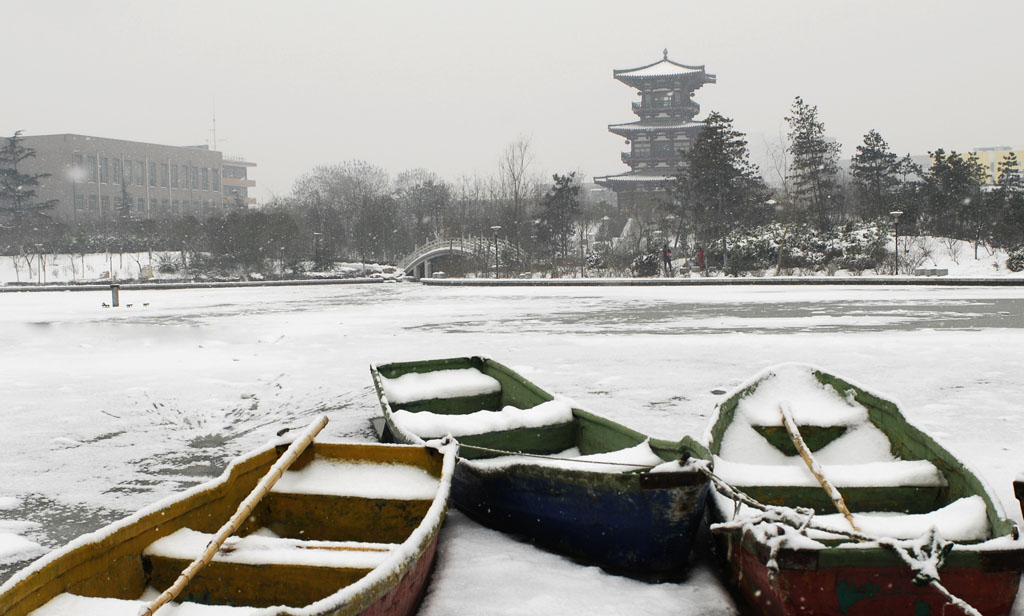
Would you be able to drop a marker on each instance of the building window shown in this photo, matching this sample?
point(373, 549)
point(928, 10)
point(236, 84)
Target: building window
point(163, 205)
point(93, 203)
point(140, 173)
point(152, 173)
point(79, 203)
point(216, 179)
point(104, 205)
point(90, 164)
point(184, 176)
point(116, 167)
point(175, 206)
point(163, 174)
point(206, 179)
point(195, 177)
point(77, 168)
point(128, 172)
point(104, 169)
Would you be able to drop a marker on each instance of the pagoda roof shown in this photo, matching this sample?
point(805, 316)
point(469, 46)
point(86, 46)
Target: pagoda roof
point(661, 68)
point(633, 178)
point(630, 128)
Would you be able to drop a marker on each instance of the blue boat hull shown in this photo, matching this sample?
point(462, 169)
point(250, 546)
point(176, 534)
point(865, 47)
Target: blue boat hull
point(633, 524)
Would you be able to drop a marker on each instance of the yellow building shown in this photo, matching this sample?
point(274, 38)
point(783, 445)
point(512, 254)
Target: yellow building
point(991, 157)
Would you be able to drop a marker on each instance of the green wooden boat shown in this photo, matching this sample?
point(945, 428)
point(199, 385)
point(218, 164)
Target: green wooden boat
point(606, 507)
point(895, 479)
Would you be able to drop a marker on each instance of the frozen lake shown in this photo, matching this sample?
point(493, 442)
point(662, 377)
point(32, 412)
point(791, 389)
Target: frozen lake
point(105, 410)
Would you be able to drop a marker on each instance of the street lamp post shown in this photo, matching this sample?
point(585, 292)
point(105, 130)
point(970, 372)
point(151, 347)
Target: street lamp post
point(495, 230)
point(896, 227)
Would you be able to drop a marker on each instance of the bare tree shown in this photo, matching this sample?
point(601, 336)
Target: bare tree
point(516, 187)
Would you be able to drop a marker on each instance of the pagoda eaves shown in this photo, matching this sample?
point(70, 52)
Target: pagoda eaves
point(666, 128)
point(632, 128)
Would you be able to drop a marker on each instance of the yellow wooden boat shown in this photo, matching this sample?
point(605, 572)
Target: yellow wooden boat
point(348, 529)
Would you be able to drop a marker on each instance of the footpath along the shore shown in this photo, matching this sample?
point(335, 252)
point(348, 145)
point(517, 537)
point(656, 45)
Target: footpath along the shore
point(924, 281)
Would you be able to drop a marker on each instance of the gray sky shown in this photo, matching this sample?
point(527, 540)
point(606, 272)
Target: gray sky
point(447, 85)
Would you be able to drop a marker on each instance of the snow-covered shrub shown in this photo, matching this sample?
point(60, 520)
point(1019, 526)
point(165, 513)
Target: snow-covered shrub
point(597, 256)
point(1015, 260)
point(646, 265)
point(167, 263)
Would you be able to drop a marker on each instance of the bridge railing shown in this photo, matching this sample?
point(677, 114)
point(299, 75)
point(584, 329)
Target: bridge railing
point(464, 245)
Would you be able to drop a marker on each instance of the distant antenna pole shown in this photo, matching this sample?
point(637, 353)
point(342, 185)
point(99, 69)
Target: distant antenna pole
point(214, 124)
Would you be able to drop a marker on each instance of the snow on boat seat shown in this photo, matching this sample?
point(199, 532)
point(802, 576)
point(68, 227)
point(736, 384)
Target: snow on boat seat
point(871, 474)
point(906, 486)
point(428, 425)
point(965, 520)
point(329, 499)
point(456, 390)
point(263, 548)
point(261, 568)
point(67, 603)
point(638, 457)
point(332, 477)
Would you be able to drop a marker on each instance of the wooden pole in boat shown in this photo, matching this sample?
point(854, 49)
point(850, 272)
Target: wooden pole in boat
point(812, 464)
point(241, 514)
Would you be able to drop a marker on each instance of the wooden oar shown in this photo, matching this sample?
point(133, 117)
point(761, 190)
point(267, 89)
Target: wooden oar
point(241, 514)
point(812, 464)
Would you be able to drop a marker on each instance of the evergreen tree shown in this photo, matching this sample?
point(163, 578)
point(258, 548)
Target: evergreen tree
point(718, 185)
point(815, 165)
point(18, 190)
point(1008, 173)
point(124, 204)
point(1008, 201)
point(910, 194)
point(874, 171)
point(558, 210)
point(955, 207)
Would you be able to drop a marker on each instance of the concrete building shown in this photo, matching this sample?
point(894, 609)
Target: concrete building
point(235, 176)
point(95, 178)
point(666, 127)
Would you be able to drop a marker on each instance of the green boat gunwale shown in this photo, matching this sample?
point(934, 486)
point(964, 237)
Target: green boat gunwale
point(585, 429)
point(912, 445)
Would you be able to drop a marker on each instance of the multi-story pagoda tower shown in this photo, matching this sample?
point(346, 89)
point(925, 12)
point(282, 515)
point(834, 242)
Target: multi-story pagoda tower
point(666, 128)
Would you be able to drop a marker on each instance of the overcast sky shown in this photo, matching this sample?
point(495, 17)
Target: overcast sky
point(447, 85)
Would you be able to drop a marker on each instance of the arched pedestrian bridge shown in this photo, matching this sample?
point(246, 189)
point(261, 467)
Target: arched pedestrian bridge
point(419, 264)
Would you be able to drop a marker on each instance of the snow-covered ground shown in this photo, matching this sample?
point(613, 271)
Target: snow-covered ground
point(130, 266)
point(105, 410)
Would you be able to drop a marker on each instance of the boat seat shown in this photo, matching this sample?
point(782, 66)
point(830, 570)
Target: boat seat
point(67, 603)
point(260, 569)
point(460, 390)
point(336, 500)
point(436, 425)
point(907, 486)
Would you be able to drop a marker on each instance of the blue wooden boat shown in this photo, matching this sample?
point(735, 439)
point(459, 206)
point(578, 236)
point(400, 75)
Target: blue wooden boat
point(625, 502)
